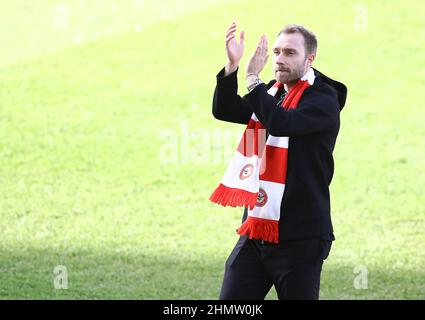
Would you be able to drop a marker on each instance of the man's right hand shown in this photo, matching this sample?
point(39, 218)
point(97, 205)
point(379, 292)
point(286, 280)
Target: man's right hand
point(234, 49)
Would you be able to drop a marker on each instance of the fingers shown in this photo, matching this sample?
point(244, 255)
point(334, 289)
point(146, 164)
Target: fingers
point(231, 30)
point(230, 34)
point(230, 38)
point(264, 42)
point(262, 46)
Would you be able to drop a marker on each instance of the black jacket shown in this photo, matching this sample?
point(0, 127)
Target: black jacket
point(312, 129)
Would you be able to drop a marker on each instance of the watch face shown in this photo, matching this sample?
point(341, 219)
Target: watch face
point(256, 83)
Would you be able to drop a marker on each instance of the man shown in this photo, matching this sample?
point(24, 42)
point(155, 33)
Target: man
point(283, 184)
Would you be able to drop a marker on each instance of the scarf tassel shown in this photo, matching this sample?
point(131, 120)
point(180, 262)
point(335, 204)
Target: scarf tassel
point(257, 228)
point(234, 197)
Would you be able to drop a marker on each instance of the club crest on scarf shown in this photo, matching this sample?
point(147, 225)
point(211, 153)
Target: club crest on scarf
point(257, 167)
point(262, 198)
point(246, 171)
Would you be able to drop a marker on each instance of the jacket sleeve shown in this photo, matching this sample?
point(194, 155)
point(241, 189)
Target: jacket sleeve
point(227, 104)
point(317, 111)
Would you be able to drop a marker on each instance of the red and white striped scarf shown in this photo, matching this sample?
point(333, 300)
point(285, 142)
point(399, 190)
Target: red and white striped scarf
point(256, 175)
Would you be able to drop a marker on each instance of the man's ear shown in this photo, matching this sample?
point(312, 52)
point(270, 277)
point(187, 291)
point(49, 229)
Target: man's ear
point(310, 58)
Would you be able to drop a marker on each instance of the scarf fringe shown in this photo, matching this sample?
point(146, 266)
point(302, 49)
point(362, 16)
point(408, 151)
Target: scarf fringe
point(234, 197)
point(258, 228)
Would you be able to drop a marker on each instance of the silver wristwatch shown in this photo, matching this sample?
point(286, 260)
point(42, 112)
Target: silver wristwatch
point(254, 84)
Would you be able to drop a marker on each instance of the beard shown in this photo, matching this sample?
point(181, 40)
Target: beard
point(290, 75)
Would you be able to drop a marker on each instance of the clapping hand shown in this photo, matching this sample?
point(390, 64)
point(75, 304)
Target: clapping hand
point(259, 58)
point(234, 48)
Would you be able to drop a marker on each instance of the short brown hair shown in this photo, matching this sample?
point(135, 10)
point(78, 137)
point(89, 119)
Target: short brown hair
point(310, 40)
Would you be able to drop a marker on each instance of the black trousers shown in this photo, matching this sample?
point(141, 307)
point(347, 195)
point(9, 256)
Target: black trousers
point(293, 267)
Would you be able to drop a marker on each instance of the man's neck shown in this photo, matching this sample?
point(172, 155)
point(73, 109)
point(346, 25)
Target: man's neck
point(289, 86)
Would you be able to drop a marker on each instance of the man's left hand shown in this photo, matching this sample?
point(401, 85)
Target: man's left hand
point(259, 58)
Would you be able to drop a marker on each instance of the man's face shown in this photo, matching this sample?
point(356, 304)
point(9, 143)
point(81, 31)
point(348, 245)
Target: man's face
point(290, 62)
